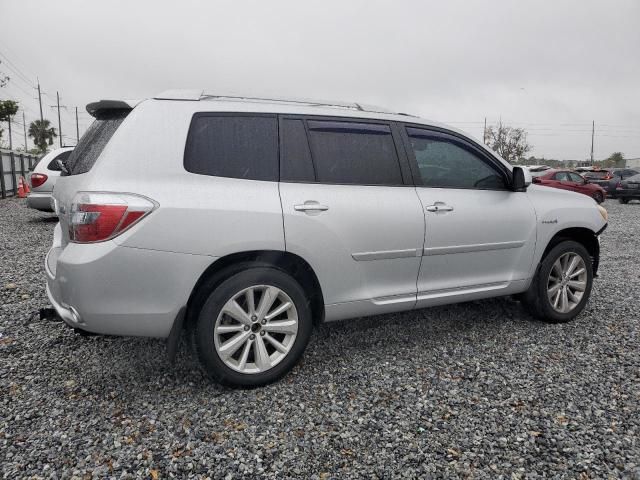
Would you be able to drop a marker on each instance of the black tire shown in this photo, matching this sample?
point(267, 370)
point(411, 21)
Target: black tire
point(204, 329)
point(598, 197)
point(623, 200)
point(536, 299)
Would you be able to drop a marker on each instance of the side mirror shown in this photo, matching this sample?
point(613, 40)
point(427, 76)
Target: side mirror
point(536, 180)
point(520, 179)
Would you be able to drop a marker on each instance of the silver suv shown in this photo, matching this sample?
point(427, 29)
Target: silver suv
point(244, 222)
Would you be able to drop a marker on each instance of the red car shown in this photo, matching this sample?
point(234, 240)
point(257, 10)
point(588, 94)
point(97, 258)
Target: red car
point(568, 180)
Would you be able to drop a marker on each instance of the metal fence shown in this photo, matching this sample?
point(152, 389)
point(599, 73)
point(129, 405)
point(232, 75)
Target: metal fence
point(14, 165)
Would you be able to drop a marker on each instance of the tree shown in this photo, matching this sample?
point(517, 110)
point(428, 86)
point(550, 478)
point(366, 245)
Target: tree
point(42, 133)
point(616, 159)
point(510, 143)
point(3, 78)
point(8, 108)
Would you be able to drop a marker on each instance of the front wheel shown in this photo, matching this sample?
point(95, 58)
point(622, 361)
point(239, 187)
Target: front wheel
point(561, 288)
point(598, 197)
point(253, 328)
point(623, 200)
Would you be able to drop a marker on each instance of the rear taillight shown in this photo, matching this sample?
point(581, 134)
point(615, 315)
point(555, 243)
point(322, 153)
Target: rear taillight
point(608, 177)
point(96, 217)
point(37, 179)
point(618, 186)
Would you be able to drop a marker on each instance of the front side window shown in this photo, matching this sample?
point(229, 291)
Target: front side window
point(353, 153)
point(445, 162)
point(234, 146)
point(562, 177)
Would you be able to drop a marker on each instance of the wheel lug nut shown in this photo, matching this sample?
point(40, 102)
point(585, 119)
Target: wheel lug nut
point(252, 337)
point(262, 333)
point(253, 318)
point(246, 328)
point(264, 321)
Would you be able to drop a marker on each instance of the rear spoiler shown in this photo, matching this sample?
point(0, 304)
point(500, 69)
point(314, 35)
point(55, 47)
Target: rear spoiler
point(96, 108)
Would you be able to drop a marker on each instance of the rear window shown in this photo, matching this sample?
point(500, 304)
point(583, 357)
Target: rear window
point(54, 165)
point(85, 154)
point(596, 175)
point(354, 153)
point(241, 146)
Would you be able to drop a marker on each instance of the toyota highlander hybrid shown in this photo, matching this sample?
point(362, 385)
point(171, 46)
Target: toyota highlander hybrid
point(245, 222)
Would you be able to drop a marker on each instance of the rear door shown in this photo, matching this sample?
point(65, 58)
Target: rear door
point(480, 236)
point(351, 212)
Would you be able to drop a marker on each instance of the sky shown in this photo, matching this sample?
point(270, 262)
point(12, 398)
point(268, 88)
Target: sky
point(551, 67)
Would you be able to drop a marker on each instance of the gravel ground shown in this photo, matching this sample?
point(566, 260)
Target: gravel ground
point(477, 390)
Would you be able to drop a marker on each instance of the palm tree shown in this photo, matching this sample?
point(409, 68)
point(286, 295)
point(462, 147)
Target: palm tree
point(42, 133)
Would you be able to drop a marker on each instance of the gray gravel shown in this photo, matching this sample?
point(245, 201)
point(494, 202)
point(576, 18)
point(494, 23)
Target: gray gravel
point(477, 390)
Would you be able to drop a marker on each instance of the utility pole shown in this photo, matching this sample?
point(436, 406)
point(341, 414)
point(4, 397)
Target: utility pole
point(40, 101)
point(484, 132)
point(77, 128)
point(593, 129)
point(59, 123)
point(24, 124)
point(10, 140)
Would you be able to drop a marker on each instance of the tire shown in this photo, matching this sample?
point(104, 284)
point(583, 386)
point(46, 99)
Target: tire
point(537, 298)
point(256, 361)
point(598, 197)
point(623, 200)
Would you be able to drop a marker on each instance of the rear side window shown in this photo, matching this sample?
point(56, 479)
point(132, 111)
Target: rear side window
point(353, 153)
point(84, 156)
point(54, 165)
point(233, 146)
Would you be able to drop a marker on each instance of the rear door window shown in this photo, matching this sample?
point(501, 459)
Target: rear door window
point(346, 152)
point(234, 146)
point(295, 157)
point(85, 154)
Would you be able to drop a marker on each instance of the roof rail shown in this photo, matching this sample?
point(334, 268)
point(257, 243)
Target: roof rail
point(302, 101)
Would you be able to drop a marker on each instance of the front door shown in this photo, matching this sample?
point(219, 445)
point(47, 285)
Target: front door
point(480, 235)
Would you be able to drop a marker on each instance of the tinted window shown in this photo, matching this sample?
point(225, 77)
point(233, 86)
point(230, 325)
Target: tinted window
point(562, 176)
point(445, 162)
point(295, 164)
point(85, 154)
point(54, 165)
point(576, 178)
point(597, 175)
point(354, 153)
point(233, 146)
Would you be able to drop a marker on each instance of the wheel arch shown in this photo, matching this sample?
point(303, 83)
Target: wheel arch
point(226, 266)
point(584, 236)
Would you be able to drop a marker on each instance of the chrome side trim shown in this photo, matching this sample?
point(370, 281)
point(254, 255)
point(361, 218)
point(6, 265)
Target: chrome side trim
point(385, 255)
point(480, 247)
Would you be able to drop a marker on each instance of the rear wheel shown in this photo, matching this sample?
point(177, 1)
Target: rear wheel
point(598, 197)
point(623, 200)
point(253, 328)
point(561, 288)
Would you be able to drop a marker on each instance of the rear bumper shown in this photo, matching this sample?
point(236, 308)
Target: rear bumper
point(40, 201)
point(113, 290)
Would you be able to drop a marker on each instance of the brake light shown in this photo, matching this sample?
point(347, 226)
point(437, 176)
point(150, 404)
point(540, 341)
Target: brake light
point(618, 186)
point(37, 179)
point(96, 217)
point(608, 177)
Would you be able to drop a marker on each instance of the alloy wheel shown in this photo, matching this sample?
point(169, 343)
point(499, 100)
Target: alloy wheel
point(567, 282)
point(256, 329)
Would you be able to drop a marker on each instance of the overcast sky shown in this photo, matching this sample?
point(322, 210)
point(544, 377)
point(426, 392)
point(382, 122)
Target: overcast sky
point(548, 66)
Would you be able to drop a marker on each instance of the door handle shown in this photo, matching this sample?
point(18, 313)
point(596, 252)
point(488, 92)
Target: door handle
point(310, 206)
point(439, 207)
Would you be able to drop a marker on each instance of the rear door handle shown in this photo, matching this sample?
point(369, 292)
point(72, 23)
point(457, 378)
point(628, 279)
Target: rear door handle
point(439, 207)
point(310, 206)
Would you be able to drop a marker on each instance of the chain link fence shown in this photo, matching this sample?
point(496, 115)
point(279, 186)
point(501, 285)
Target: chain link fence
point(14, 165)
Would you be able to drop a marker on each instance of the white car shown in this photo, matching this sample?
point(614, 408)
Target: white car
point(43, 178)
point(247, 221)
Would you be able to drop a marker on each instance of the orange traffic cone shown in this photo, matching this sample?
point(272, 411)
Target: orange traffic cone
point(27, 188)
point(21, 193)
